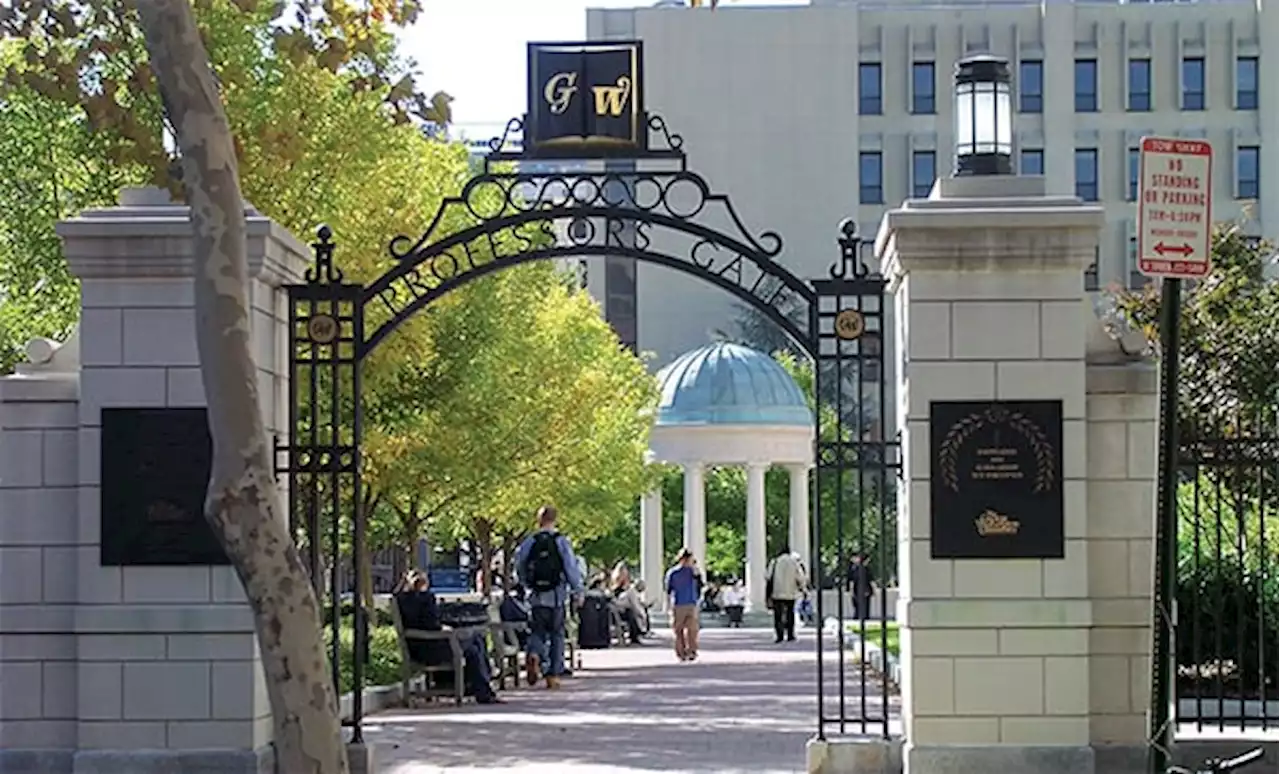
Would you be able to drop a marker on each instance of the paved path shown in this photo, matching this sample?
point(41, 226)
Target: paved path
point(746, 705)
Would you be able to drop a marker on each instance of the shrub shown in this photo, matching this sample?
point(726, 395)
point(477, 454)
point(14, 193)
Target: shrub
point(1228, 593)
point(383, 666)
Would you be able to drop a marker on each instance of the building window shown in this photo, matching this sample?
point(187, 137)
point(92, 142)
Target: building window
point(1248, 170)
point(922, 88)
point(1134, 159)
point(869, 89)
point(1140, 84)
point(923, 173)
point(1031, 86)
point(1086, 85)
point(1193, 83)
point(1136, 278)
point(1091, 273)
point(870, 179)
point(1031, 162)
point(1246, 83)
point(1087, 174)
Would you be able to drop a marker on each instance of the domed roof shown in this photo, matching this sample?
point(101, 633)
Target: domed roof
point(729, 384)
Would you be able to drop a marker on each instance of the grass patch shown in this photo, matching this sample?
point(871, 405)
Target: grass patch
point(873, 633)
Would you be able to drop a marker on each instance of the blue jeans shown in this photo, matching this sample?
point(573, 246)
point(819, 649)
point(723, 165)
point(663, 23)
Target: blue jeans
point(546, 633)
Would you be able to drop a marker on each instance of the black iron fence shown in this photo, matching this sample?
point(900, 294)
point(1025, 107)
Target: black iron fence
point(1227, 600)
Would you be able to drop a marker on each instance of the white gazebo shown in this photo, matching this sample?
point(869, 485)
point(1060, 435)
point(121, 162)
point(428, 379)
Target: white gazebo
point(726, 404)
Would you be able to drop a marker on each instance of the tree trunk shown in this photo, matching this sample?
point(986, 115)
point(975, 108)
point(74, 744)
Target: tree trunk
point(484, 541)
point(243, 505)
point(508, 561)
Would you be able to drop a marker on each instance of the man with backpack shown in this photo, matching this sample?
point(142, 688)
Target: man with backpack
point(548, 569)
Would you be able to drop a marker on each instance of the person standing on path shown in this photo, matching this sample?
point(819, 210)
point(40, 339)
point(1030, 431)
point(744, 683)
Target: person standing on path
point(547, 567)
point(683, 585)
point(861, 586)
point(785, 582)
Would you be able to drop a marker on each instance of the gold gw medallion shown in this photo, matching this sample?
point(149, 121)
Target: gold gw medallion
point(850, 324)
point(322, 329)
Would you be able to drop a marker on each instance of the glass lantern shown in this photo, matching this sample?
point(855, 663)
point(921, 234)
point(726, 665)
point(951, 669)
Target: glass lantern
point(984, 116)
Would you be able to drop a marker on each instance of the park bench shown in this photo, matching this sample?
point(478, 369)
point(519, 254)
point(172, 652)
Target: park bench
point(411, 670)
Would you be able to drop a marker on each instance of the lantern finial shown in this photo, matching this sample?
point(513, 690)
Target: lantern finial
point(984, 116)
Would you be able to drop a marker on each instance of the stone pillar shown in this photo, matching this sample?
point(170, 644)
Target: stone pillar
point(652, 562)
point(695, 512)
point(798, 534)
point(987, 278)
point(164, 667)
point(757, 529)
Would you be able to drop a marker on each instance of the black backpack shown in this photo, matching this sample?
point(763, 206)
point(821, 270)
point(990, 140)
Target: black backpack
point(545, 565)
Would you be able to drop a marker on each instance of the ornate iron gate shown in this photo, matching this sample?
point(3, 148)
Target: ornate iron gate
point(662, 213)
point(856, 477)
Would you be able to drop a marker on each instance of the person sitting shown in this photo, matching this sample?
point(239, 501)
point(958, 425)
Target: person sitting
point(514, 609)
point(419, 609)
point(627, 602)
point(646, 620)
point(734, 598)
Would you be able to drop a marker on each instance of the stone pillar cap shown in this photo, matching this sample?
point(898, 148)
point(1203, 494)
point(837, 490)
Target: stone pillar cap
point(1004, 223)
point(149, 235)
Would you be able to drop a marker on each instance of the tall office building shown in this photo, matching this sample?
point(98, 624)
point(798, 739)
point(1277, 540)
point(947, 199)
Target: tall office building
point(805, 115)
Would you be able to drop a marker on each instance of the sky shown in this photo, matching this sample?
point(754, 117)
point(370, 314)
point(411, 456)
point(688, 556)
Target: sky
point(475, 49)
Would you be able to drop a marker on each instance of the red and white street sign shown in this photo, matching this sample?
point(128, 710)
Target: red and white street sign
point(1175, 185)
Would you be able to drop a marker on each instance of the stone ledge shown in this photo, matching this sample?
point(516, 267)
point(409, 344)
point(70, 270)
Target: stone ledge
point(127, 619)
point(18, 761)
point(983, 759)
point(40, 388)
point(853, 755)
point(997, 613)
point(1124, 379)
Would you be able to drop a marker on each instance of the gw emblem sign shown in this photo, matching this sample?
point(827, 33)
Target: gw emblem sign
point(850, 324)
point(585, 95)
point(322, 329)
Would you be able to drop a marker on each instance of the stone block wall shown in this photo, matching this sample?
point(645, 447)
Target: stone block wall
point(38, 555)
point(139, 658)
point(1121, 443)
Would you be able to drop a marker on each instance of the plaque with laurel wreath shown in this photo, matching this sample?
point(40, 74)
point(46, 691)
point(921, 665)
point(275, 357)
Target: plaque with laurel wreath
point(996, 479)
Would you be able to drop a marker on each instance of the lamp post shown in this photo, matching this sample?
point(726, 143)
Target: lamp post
point(984, 116)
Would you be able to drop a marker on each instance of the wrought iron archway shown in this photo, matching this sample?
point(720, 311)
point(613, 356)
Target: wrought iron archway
point(665, 215)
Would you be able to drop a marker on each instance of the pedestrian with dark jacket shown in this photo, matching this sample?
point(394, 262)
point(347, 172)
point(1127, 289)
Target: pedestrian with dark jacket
point(549, 571)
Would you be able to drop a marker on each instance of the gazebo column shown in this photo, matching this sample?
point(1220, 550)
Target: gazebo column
point(651, 559)
point(757, 556)
point(695, 512)
point(799, 531)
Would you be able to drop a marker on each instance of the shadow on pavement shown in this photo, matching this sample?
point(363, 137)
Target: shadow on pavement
point(746, 705)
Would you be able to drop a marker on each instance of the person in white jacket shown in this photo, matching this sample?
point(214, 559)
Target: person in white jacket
point(785, 583)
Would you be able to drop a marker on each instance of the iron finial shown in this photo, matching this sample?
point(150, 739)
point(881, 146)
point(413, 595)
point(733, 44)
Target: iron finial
point(324, 273)
point(850, 263)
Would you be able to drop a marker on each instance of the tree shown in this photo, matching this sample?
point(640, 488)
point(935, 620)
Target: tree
point(1229, 343)
point(243, 504)
point(298, 81)
point(535, 402)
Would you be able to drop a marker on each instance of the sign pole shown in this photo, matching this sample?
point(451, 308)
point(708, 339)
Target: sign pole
point(1161, 726)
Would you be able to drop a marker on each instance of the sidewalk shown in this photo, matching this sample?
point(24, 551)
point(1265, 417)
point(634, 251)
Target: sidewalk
point(746, 705)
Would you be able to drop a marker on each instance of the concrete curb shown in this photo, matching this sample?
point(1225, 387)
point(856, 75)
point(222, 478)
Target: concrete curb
point(376, 698)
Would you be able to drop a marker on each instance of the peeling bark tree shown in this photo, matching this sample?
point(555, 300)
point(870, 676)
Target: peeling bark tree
point(243, 505)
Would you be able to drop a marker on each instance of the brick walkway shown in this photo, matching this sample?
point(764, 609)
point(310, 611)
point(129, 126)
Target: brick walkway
point(746, 705)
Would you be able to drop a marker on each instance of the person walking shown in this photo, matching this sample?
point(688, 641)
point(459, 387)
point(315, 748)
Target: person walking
point(784, 584)
point(682, 585)
point(861, 586)
point(547, 567)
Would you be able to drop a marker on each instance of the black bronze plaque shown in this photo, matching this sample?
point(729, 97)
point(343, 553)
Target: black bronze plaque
point(585, 95)
point(155, 473)
point(996, 489)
